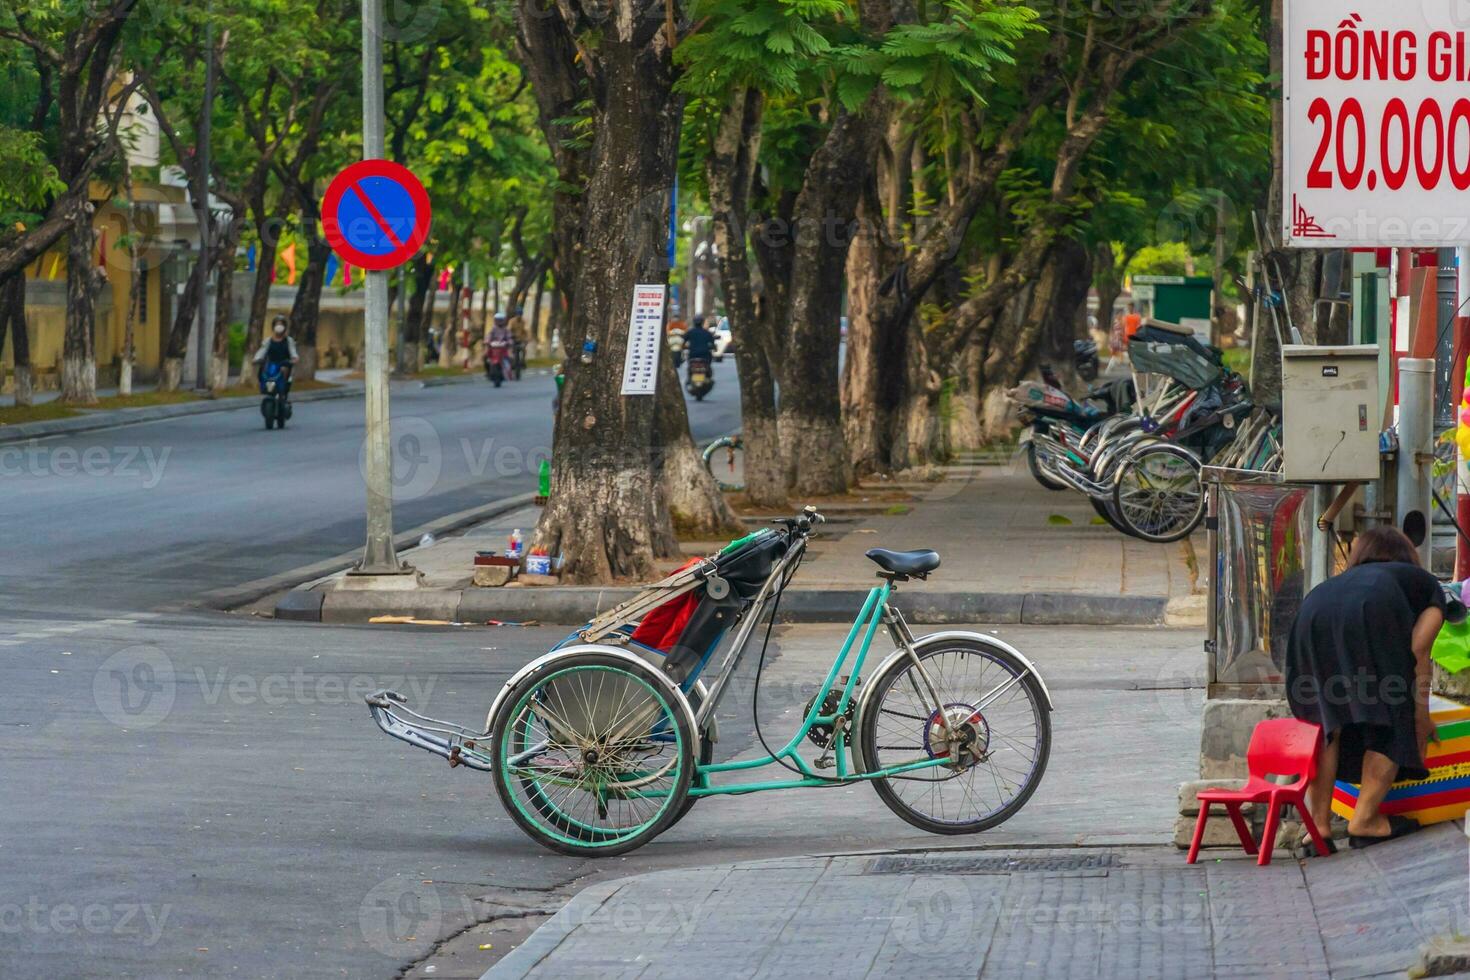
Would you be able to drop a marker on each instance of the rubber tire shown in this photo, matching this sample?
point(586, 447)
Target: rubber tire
point(1173, 536)
point(1038, 473)
point(500, 723)
point(1104, 510)
point(868, 733)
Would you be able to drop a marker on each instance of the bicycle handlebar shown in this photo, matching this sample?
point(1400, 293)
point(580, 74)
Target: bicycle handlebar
point(803, 522)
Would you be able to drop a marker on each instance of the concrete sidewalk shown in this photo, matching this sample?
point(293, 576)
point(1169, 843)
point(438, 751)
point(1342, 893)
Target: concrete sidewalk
point(1012, 553)
point(1079, 912)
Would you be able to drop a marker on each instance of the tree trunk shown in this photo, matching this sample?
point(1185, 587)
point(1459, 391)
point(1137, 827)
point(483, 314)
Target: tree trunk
point(871, 372)
point(265, 264)
point(604, 516)
point(78, 358)
point(451, 323)
point(696, 509)
point(224, 295)
point(965, 406)
point(825, 209)
point(730, 169)
point(13, 316)
point(137, 282)
point(176, 344)
point(538, 335)
point(306, 307)
point(421, 281)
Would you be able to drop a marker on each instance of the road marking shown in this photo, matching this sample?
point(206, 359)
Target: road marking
point(29, 636)
point(11, 643)
point(63, 629)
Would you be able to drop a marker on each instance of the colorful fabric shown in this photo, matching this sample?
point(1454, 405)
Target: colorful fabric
point(663, 625)
point(288, 256)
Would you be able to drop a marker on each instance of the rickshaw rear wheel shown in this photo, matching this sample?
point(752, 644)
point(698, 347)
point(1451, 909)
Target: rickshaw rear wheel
point(594, 754)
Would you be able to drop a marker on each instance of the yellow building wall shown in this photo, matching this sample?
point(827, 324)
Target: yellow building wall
point(46, 319)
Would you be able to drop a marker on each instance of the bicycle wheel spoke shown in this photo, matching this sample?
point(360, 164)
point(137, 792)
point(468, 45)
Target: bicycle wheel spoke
point(985, 701)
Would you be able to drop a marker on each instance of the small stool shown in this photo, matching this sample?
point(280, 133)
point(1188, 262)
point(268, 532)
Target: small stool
point(1283, 746)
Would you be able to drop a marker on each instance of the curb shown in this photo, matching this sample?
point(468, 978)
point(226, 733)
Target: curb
point(115, 418)
point(570, 605)
point(305, 604)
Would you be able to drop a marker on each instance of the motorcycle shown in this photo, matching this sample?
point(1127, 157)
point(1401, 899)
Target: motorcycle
point(701, 378)
point(498, 361)
point(275, 386)
point(676, 348)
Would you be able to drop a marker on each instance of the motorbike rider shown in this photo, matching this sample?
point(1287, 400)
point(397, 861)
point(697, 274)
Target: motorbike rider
point(520, 337)
point(499, 338)
point(278, 348)
point(699, 342)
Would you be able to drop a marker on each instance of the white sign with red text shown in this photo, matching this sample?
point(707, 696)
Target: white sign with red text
point(645, 336)
point(1377, 123)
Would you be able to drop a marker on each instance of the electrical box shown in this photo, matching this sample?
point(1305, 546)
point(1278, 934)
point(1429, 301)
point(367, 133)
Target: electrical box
point(1330, 413)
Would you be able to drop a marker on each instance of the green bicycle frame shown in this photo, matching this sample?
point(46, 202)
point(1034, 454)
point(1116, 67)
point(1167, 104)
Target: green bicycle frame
point(866, 624)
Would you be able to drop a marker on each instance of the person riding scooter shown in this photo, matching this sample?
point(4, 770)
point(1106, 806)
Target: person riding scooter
point(275, 359)
point(278, 348)
point(699, 343)
point(499, 345)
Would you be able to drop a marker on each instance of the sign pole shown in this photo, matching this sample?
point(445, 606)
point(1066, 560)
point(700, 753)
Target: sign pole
point(1457, 382)
point(378, 557)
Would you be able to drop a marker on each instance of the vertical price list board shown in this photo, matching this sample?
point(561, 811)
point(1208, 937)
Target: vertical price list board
point(645, 326)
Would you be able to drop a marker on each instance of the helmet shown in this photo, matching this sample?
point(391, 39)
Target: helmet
point(278, 325)
point(499, 316)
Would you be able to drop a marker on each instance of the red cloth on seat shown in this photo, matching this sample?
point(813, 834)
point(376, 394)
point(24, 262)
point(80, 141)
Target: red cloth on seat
point(663, 625)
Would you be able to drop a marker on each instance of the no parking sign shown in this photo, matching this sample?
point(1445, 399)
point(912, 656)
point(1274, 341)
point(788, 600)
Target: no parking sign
point(376, 214)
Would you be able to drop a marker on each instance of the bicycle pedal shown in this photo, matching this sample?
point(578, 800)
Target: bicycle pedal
point(825, 762)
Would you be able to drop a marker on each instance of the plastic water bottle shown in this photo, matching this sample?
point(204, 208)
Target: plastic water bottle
point(513, 549)
point(543, 479)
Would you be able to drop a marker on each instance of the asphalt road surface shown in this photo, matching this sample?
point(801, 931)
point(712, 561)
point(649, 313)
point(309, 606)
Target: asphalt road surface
point(202, 794)
point(147, 515)
point(205, 795)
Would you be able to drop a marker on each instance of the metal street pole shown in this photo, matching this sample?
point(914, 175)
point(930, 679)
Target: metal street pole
point(401, 347)
point(206, 304)
point(378, 557)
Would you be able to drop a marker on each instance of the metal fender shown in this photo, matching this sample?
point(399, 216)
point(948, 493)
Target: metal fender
point(544, 661)
point(983, 639)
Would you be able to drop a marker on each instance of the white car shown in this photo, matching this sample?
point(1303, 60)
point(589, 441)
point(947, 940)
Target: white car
point(724, 343)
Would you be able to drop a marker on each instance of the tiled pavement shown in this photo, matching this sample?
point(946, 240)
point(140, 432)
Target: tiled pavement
point(1077, 913)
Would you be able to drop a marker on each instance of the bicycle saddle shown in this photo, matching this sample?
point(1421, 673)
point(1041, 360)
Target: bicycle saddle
point(920, 562)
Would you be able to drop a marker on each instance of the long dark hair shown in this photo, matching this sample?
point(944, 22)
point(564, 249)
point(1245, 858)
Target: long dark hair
point(1382, 543)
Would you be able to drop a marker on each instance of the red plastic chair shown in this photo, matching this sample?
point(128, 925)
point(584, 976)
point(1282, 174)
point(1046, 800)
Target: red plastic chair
point(1280, 746)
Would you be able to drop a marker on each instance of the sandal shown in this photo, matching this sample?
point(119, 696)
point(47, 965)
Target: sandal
point(1397, 827)
point(1306, 849)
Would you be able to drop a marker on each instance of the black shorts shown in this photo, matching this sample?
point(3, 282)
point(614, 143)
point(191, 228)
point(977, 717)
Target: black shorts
point(1360, 737)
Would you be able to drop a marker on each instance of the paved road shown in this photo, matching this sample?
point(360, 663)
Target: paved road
point(205, 795)
point(199, 794)
point(149, 514)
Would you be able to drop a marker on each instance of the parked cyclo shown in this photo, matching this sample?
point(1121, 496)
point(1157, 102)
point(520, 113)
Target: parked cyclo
point(1140, 469)
point(605, 742)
